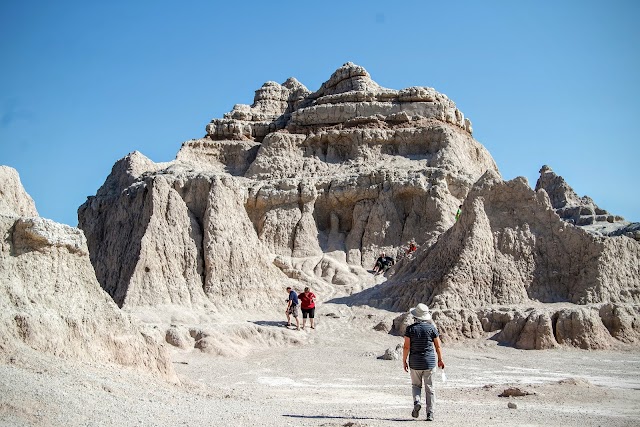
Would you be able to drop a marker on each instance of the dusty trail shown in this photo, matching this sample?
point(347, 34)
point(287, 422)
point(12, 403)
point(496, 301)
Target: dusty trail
point(274, 376)
point(334, 377)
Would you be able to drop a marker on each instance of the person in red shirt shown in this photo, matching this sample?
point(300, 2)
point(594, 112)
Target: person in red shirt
point(308, 307)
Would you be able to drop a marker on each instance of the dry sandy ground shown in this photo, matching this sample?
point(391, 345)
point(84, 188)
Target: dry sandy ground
point(332, 377)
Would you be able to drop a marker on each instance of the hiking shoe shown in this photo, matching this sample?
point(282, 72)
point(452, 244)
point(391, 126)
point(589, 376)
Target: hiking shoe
point(429, 416)
point(416, 410)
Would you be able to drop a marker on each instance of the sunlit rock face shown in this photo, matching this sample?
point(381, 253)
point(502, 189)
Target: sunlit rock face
point(345, 172)
point(50, 300)
point(309, 187)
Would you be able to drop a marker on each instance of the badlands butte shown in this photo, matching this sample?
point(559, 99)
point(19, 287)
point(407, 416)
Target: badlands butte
point(175, 276)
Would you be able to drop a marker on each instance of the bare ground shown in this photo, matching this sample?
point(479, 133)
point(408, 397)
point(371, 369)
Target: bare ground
point(331, 377)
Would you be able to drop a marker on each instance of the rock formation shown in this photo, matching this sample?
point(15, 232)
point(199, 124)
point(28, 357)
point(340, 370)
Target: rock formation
point(583, 211)
point(511, 249)
point(323, 181)
point(14, 200)
point(50, 299)
point(309, 187)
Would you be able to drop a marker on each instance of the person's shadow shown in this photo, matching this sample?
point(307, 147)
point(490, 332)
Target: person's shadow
point(270, 323)
point(346, 418)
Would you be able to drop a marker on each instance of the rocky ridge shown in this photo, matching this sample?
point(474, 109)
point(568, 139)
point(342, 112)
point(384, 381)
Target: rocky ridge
point(583, 211)
point(512, 267)
point(308, 188)
point(51, 302)
point(324, 200)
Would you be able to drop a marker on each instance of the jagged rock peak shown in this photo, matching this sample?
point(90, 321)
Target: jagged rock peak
point(272, 105)
point(350, 77)
point(270, 101)
point(14, 200)
point(349, 96)
point(572, 208)
point(509, 250)
point(560, 193)
point(125, 171)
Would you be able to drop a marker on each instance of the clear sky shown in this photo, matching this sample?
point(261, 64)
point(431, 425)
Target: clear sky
point(84, 83)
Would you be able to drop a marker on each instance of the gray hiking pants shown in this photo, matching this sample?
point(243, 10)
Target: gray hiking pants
point(417, 378)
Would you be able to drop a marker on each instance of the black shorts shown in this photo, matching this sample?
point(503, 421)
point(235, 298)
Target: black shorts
point(308, 312)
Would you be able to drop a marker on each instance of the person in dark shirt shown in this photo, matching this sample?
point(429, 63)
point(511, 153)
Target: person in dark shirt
point(418, 355)
point(383, 263)
point(292, 307)
point(377, 268)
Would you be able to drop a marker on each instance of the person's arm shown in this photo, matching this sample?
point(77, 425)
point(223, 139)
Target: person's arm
point(405, 353)
point(436, 343)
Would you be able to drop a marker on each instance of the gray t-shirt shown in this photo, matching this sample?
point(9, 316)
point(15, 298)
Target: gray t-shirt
point(422, 354)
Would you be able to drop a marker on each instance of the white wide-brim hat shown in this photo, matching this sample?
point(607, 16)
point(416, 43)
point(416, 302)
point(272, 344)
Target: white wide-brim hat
point(421, 312)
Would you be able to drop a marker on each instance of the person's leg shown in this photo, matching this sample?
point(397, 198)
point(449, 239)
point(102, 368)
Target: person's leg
point(416, 391)
point(288, 317)
point(295, 315)
point(430, 393)
point(305, 313)
point(312, 315)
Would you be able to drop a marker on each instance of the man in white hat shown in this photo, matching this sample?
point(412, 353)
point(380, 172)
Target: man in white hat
point(420, 339)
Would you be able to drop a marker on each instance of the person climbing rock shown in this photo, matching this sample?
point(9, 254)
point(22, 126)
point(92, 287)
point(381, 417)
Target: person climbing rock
point(383, 263)
point(458, 213)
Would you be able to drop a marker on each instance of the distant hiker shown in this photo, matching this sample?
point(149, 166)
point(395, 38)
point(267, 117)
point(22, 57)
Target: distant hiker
point(292, 307)
point(308, 307)
point(383, 263)
point(387, 262)
point(379, 263)
point(412, 247)
point(420, 339)
point(458, 213)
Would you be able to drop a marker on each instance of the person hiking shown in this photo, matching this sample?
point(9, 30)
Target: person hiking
point(387, 262)
point(377, 268)
point(418, 356)
point(458, 212)
point(383, 263)
point(308, 307)
point(292, 307)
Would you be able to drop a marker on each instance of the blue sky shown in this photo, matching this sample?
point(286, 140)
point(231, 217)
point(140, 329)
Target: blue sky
point(544, 82)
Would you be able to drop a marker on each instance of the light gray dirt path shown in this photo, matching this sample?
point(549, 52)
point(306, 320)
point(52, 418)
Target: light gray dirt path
point(335, 378)
point(332, 377)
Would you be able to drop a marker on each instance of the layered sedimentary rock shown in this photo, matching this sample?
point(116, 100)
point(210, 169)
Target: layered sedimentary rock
point(511, 249)
point(323, 181)
point(50, 299)
point(583, 211)
point(309, 187)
